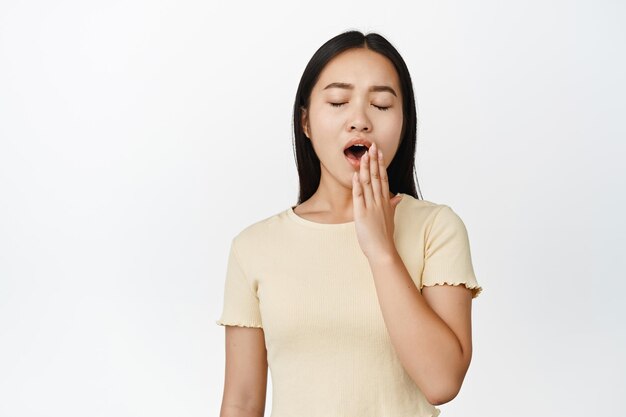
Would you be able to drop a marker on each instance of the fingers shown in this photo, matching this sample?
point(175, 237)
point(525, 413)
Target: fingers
point(371, 184)
point(366, 180)
point(384, 178)
point(375, 174)
point(357, 195)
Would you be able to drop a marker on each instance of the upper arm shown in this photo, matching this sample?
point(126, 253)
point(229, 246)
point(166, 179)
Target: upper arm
point(453, 303)
point(448, 282)
point(245, 380)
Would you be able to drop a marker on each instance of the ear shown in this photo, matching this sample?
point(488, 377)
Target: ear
point(304, 120)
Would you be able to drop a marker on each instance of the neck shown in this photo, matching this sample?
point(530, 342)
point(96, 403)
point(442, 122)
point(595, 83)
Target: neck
point(332, 197)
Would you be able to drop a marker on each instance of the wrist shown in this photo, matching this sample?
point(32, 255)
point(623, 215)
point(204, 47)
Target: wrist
point(384, 258)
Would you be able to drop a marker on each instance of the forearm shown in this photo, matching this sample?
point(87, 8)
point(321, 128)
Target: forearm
point(427, 348)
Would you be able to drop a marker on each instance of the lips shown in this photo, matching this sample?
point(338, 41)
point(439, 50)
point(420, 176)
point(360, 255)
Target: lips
point(357, 141)
point(354, 149)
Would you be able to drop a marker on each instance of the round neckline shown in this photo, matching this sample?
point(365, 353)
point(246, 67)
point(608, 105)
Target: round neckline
point(309, 223)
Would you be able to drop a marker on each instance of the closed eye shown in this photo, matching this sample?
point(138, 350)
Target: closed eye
point(378, 107)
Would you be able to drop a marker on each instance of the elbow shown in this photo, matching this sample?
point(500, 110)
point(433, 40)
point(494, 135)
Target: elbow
point(443, 394)
point(441, 398)
point(448, 388)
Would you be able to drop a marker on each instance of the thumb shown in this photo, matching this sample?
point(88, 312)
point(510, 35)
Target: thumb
point(395, 200)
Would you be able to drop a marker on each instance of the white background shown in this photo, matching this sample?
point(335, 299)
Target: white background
point(138, 137)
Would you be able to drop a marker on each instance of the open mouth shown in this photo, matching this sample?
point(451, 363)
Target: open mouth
point(355, 151)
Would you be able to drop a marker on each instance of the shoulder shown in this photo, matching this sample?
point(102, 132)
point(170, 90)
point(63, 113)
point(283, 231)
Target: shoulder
point(259, 232)
point(427, 215)
point(423, 212)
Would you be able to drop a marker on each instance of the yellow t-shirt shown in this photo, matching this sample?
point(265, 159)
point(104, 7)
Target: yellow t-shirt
point(310, 287)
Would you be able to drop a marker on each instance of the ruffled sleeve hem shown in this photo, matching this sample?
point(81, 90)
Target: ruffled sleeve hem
point(476, 289)
point(238, 324)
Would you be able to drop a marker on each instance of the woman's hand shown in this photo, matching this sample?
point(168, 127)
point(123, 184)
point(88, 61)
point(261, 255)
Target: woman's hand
point(373, 209)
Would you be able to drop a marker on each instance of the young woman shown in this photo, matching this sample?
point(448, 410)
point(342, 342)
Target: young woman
point(359, 297)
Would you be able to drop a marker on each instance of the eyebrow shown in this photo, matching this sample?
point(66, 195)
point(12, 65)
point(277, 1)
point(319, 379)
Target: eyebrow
point(375, 88)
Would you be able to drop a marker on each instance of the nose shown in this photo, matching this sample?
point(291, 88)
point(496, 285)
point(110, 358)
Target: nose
point(359, 121)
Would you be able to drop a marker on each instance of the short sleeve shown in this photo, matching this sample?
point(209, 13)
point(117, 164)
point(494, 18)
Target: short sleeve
point(241, 304)
point(447, 256)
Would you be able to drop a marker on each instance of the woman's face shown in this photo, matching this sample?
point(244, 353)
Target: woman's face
point(357, 95)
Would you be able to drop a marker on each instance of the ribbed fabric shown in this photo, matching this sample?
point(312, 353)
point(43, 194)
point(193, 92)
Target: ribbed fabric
point(310, 287)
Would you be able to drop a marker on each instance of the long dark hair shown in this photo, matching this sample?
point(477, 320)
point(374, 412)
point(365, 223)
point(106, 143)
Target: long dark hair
point(402, 167)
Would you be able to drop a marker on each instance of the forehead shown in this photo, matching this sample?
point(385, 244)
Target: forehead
point(361, 67)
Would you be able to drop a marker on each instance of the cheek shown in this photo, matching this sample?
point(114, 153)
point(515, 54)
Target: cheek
point(393, 129)
point(398, 121)
point(392, 126)
point(323, 122)
point(321, 129)
point(398, 130)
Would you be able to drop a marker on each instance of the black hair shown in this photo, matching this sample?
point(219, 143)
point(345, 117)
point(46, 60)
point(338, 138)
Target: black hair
point(401, 169)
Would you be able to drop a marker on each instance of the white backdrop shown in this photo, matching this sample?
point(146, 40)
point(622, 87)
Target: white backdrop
point(138, 137)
